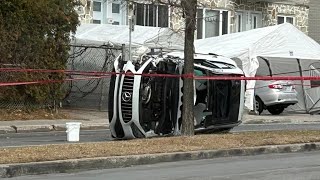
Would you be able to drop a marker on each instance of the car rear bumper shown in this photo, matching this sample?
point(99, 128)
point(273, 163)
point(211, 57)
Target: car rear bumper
point(281, 98)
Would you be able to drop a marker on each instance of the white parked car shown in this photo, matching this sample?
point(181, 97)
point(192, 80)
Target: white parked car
point(142, 106)
point(274, 96)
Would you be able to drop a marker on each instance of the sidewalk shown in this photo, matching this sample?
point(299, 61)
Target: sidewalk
point(92, 120)
point(284, 118)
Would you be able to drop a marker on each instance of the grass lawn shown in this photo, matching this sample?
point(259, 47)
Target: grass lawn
point(154, 145)
point(17, 114)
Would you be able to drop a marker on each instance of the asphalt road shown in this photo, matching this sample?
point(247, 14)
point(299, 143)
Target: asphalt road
point(295, 166)
point(22, 139)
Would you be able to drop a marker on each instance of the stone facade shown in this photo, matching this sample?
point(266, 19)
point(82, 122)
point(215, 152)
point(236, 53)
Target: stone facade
point(177, 22)
point(300, 14)
point(85, 11)
point(269, 11)
point(294, 8)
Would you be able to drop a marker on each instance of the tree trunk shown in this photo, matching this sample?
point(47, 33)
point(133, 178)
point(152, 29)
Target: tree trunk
point(190, 9)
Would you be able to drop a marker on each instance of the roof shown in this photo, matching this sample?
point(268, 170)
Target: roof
point(153, 37)
point(283, 40)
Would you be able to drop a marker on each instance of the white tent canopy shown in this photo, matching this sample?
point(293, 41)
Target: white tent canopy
point(151, 37)
point(276, 42)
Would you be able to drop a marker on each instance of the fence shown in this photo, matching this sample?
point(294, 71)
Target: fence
point(87, 93)
point(91, 93)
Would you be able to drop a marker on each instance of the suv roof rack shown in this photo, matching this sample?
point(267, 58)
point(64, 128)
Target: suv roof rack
point(214, 54)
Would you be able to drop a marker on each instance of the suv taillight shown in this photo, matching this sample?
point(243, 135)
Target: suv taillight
point(275, 86)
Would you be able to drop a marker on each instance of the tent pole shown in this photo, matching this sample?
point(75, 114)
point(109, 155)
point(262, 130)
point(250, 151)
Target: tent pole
point(130, 37)
point(123, 51)
point(302, 83)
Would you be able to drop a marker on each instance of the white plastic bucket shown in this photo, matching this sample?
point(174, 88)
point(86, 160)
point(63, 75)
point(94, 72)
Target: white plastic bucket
point(73, 131)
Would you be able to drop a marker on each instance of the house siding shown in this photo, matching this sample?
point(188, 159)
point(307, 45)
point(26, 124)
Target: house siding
point(314, 20)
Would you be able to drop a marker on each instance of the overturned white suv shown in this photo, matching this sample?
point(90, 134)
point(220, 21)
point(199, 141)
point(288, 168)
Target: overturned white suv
point(142, 106)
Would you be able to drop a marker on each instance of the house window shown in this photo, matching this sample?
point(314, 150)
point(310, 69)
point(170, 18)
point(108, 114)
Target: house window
point(256, 19)
point(287, 19)
point(163, 16)
point(212, 23)
point(247, 20)
point(225, 22)
point(96, 6)
point(115, 8)
point(95, 21)
point(239, 25)
point(116, 23)
point(152, 15)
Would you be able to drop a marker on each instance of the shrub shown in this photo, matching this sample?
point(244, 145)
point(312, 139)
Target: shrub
point(35, 34)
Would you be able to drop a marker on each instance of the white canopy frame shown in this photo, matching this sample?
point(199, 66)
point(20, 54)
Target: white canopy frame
point(275, 42)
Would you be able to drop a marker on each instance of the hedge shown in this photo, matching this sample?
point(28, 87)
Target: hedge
point(35, 34)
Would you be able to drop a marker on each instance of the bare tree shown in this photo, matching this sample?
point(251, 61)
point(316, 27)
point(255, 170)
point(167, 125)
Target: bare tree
point(189, 9)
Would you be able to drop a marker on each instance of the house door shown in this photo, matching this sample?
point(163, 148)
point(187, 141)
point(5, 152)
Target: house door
point(256, 20)
point(247, 20)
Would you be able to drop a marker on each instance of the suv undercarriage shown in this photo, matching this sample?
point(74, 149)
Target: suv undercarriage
point(145, 97)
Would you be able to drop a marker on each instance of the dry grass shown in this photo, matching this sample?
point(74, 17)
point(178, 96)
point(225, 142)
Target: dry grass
point(17, 114)
point(155, 145)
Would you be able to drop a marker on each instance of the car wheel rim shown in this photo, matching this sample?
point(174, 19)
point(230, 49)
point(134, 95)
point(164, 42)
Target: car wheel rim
point(257, 106)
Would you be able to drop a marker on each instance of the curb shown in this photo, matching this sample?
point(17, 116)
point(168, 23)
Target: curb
point(7, 129)
point(76, 165)
point(264, 122)
point(47, 128)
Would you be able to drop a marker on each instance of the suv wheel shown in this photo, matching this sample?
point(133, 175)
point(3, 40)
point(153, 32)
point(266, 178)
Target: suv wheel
point(259, 105)
point(275, 110)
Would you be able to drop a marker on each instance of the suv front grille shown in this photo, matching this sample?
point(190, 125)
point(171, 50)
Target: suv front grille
point(126, 98)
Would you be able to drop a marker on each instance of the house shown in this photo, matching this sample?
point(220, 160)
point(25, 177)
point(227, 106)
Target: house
point(215, 17)
point(115, 12)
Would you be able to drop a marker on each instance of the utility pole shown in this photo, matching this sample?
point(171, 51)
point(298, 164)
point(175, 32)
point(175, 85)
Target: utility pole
point(131, 26)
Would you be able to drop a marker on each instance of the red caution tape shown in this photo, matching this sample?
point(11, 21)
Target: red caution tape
point(98, 74)
point(48, 81)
